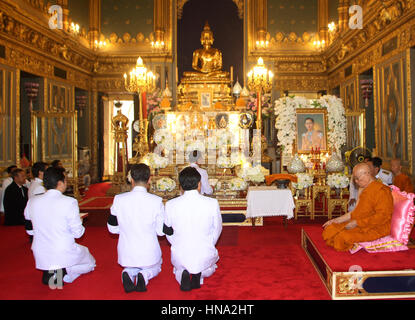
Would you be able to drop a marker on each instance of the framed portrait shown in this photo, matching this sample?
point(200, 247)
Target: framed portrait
point(205, 99)
point(311, 130)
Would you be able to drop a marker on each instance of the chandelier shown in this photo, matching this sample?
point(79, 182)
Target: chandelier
point(140, 80)
point(260, 80)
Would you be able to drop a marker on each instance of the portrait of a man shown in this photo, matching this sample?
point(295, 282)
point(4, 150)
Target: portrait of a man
point(311, 131)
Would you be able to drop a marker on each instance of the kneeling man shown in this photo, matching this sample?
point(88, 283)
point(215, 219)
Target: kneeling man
point(138, 217)
point(370, 220)
point(197, 224)
point(54, 219)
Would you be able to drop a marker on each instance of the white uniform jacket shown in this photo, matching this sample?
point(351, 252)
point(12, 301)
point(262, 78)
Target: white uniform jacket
point(140, 218)
point(206, 188)
point(197, 224)
point(386, 176)
point(56, 225)
point(36, 188)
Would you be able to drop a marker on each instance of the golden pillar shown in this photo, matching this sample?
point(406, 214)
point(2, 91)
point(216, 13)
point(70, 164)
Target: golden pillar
point(343, 10)
point(323, 20)
point(94, 21)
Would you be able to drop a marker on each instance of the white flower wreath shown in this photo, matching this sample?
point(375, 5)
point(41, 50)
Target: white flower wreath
point(285, 110)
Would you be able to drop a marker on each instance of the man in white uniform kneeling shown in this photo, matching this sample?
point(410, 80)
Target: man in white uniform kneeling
point(138, 217)
point(54, 219)
point(197, 224)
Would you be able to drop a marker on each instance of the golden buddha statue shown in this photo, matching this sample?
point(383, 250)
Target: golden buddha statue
point(207, 61)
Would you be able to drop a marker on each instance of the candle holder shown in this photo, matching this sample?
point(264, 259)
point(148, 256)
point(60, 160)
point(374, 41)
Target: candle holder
point(140, 81)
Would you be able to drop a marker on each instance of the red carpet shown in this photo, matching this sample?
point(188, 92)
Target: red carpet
point(261, 263)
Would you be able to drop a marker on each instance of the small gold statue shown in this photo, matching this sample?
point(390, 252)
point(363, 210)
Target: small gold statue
point(207, 61)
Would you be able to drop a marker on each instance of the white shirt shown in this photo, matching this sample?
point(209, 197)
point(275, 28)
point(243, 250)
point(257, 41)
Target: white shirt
point(386, 176)
point(140, 218)
point(56, 225)
point(206, 188)
point(197, 224)
point(6, 183)
point(36, 188)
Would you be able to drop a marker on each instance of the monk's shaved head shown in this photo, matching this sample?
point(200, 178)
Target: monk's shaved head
point(363, 175)
point(362, 168)
point(396, 166)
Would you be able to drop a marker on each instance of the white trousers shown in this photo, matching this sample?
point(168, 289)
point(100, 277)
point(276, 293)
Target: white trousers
point(205, 273)
point(148, 273)
point(85, 265)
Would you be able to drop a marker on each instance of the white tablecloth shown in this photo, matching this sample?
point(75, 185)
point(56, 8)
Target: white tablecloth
point(269, 201)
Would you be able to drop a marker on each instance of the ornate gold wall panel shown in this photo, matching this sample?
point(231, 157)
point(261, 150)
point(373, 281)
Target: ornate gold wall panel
point(349, 92)
point(393, 115)
point(54, 129)
point(9, 117)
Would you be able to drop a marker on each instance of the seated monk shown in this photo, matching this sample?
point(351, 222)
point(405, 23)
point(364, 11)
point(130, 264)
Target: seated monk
point(400, 179)
point(370, 220)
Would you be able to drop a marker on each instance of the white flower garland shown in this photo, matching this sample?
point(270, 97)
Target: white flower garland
point(285, 110)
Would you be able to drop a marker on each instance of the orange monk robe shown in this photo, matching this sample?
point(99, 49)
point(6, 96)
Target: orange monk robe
point(373, 215)
point(403, 182)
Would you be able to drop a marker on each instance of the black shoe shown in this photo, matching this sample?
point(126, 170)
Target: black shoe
point(195, 282)
point(141, 284)
point(45, 277)
point(185, 281)
point(127, 283)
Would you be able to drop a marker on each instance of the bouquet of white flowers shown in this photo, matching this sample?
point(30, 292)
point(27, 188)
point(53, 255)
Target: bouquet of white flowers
point(154, 161)
point(164, 139)
point(253, 174)
point(337, 180)
point(237, 184)
point(165, 184)
point(304, 180)
point(224, 162)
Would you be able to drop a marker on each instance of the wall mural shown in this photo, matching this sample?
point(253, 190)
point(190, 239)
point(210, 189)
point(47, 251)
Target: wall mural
point(124, 16)
point(287, 16)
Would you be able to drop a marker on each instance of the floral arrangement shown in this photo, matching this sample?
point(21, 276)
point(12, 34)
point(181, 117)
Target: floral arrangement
point(337, 180)
point(237, 184)
point(266, 104)
point(164, 139)
point(153, 102)
point(165, 184)
point(224, 162)
point(237, 158)
point(155, 161)
point(285, 110)
point(253, 174)
point(304, 180)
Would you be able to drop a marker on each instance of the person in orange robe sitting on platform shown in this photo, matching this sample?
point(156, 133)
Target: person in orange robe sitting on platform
point(400, 179)
point(370, 220)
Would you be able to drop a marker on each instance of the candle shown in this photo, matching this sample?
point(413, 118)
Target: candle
point(232, 74)
point(177, 75)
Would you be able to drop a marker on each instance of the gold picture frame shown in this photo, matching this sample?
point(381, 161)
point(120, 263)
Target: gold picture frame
point(311, 130)
point(206, 99)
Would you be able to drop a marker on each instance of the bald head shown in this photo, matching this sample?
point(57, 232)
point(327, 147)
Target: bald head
point(396, 166)
point(363, 175)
